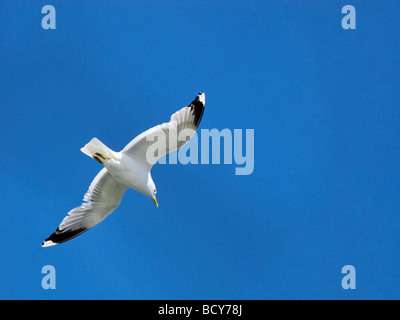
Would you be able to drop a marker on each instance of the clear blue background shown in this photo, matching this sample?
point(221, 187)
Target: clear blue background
point(324, 104)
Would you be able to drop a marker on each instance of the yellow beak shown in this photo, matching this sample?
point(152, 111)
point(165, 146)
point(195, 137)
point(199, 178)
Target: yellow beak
point(155, 201)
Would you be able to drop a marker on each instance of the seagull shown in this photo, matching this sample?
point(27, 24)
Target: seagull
point(129, 168)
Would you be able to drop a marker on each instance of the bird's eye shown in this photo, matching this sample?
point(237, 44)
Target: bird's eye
point(155, 191)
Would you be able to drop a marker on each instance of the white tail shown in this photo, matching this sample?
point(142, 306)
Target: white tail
point(97, 150)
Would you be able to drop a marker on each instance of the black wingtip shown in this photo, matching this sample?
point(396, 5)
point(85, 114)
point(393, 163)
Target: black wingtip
point(60, 236)
point(197, 107)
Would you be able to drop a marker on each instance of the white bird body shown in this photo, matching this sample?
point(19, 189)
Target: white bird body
point(129, 172)
point(129, 168)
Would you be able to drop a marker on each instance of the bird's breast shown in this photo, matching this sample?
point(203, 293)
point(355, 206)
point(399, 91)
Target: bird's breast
point(128, 172)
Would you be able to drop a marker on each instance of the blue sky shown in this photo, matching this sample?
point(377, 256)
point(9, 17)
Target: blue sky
point(324, 106)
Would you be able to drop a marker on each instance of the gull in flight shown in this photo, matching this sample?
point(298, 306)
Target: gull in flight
point(129, 168)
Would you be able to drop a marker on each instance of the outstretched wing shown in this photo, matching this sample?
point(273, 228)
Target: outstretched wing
point(102, 198)
point(169, 136)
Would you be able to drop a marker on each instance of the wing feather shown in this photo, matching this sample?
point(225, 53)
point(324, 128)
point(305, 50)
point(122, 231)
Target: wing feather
point(102, 198)
point(183, 122)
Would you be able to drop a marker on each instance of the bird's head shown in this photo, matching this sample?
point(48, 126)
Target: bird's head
point(151, 191)
point(154, 197)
